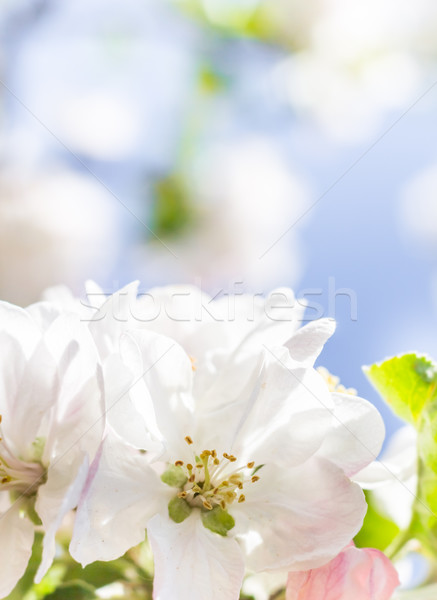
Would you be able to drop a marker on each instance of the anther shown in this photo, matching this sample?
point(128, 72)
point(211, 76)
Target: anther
point(242, 498)
point(255, 478)
point(179, 463)
point(250, 465)
point(188, 440)
point(207, 504)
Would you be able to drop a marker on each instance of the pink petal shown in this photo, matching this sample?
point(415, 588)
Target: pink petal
point(361, 574)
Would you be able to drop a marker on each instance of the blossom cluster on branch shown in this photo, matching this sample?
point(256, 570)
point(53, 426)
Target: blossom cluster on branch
point(201, 424)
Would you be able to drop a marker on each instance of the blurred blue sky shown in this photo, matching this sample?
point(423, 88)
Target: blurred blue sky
point(355, 235)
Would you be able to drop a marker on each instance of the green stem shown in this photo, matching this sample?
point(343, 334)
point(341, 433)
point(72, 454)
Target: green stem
point(398, 544)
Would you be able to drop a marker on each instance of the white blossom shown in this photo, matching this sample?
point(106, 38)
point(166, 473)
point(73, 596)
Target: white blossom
point(244, 462)
point(51, 407)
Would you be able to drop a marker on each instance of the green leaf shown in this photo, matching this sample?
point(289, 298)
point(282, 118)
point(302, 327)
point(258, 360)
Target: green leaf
point(174, 476)
point(74, 590)
point(407, 383)
point(377, 531)
point(218, 520)
point(178, 509)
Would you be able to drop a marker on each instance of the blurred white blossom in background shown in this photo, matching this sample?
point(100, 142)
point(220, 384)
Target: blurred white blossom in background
point(243, 194)
point(53, 227)
point(418, 218)
point(418, 209)
point(358, 61)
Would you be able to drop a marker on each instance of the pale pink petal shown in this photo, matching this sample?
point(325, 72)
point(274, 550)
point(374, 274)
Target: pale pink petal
point(358, 574)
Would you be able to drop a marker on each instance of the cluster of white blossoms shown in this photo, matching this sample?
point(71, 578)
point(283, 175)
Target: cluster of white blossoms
point(201, 422)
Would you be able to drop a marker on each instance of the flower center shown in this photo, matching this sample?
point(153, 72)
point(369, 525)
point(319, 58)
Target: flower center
point(17, 475)
point(210, 484)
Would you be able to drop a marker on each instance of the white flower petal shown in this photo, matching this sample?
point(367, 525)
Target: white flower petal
point(120, 496)
point(307, 343)
point(112, 318)
point(79, 421)
point(66, 332)
point(121, 412)
point(17, 322)
point(280, 405)
point(232, 382)
point(393, 478)
point(398, 462)
point(16, 534)
point(21, 381)
point(55, 499)
point(356, 436)
point(167, 371)
point(43, 314)
point(304, 516)
point(258, 322)
point(193, 563)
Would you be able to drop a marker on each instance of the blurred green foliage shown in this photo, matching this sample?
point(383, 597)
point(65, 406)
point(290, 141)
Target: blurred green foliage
point(172, 212)
point(251, 20)
point(378, 531)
